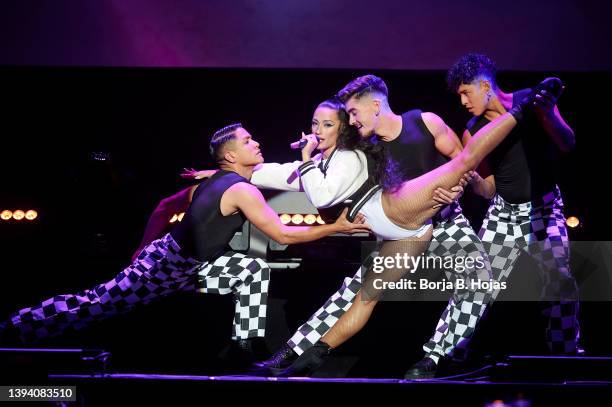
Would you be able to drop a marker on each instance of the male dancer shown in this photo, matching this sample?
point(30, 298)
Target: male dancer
point(520, 178)
point(190, 252)
point(418, 142)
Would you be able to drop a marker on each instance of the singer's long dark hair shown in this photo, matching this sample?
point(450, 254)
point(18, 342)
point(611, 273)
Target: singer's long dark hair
point(386, 170)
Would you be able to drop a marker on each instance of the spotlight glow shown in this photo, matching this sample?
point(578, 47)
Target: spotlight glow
point(297, 218)
point(31, 214)
point(18, 214)
point(6, 214)
point(310, 219)
point(572, 222)
point(320, 220)
point(285, 218)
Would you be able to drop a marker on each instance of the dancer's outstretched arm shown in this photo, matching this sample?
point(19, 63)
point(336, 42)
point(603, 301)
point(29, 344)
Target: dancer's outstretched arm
point(249, 200)
point(158, 222)
point(555, 126)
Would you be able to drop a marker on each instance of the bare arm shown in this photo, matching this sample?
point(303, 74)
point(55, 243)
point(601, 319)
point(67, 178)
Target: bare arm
point(445, 139)
point(554, 125)
point(250, 201)
point(158, 222)
point(448, 144)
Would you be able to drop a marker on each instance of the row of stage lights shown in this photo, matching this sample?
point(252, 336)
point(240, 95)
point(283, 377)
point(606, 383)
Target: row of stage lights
point(310, 219)
point(18, 214)
point(298, 219)
point(285, 218)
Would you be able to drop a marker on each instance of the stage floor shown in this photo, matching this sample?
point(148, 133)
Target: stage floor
point(103, 389)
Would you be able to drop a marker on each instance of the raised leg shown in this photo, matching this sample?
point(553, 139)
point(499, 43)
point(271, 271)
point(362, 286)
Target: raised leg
point(411, 205)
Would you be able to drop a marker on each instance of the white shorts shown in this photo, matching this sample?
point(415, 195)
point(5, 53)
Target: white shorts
point(382, 226)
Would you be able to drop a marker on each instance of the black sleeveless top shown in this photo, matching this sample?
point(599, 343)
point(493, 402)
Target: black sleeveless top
point(414, 150)
point(204, 232)
point(526, 163)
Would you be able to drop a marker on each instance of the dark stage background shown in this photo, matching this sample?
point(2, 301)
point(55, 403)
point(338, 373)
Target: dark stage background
point(153, 122)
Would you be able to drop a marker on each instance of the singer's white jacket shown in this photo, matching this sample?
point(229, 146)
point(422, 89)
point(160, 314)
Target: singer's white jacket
point(346, 172)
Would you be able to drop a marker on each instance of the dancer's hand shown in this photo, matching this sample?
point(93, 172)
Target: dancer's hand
point(467, 178)
point(312, 144)
point(545, 102)
point(444, 197)
point(357, 226)
point(190, 173)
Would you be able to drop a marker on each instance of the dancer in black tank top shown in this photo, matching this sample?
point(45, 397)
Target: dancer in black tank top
point(191, 257)
point(402, 211)
point(420, 144)
point(520, 178)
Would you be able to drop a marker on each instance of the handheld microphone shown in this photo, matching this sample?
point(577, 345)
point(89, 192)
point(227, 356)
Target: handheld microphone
point(298, 145)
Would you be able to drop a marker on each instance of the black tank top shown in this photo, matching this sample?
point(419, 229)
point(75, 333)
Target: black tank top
point(414, 149)
point(525, 164)
point(204, 232)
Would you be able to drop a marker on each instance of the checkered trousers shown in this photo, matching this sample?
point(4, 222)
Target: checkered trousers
point(458, 320)
point(454, 237)
point(159, 270)
point(538, 229)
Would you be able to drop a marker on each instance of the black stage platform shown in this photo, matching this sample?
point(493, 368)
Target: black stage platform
point(100, 390)
point(516, 381)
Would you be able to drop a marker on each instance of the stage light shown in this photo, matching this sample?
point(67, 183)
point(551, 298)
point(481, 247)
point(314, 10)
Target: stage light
point(572, 222)
point(310, 219)
point(285, 218)
point(297, 219)
point(320, 220)
point(31, 214)
point(177, 217)
point(18, 214)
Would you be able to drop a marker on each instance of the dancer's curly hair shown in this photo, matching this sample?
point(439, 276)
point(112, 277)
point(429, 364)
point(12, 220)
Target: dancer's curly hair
point(468, 68)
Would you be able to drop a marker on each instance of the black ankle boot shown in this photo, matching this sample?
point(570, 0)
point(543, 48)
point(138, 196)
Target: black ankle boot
point(423, 369)
point(280, 360)
point(242, 353)
point(551, 85)
point(308, 362)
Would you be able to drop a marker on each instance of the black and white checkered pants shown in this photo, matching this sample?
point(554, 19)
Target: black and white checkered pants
point(159, 270)
point(452, 236)
point(538, 229)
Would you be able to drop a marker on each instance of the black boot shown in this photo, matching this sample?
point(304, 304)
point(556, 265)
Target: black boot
point(283, 357)
point(423, 369)
point(240, 354)
point(308, 362)
point(551, 85)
